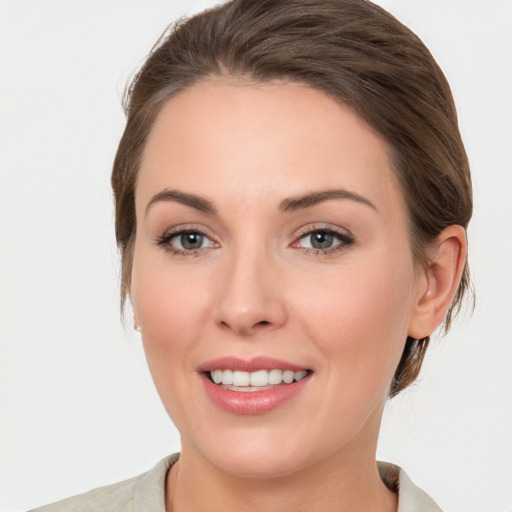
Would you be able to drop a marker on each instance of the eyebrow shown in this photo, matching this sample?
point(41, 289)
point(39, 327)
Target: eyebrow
point(297, 203)
point(199, 203)
point(288, 205)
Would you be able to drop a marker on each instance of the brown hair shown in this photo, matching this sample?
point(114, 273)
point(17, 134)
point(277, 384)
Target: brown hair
point(352, 50)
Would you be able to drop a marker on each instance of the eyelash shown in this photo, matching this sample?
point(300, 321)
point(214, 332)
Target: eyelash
point(164, 240)
point(343, 239)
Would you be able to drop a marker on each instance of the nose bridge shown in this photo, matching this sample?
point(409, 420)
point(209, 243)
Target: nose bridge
point(249, 299)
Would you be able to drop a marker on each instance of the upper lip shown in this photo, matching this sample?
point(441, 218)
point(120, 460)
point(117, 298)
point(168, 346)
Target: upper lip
point(249, 365)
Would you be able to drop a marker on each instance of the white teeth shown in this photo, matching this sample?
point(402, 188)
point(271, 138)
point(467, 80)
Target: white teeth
point(275, 377)
point(217, 376)
point(260, 378)
point(300, 375)
point(241, 378)
point(227, 377)
point(288, 376)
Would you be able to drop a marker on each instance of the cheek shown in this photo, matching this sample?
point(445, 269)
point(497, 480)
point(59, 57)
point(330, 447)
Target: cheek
point(166, 300)
point(359, 317)
point(170, 308)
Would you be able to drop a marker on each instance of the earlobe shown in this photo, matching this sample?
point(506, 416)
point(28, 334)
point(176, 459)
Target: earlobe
point(136, 325)
point(442, 274)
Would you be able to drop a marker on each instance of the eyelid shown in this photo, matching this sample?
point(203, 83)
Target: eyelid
point(312, 228)
point(162, 240)
point(344, 236)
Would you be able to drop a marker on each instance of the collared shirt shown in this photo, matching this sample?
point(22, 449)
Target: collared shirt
point(146, 493)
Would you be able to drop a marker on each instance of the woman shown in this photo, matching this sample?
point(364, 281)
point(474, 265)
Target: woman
point(292, 197)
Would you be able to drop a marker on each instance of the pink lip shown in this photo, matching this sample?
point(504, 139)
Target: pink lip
point(250, 365)
point(251, 402)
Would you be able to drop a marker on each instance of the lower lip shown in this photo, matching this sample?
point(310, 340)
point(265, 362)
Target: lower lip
point(252, 402)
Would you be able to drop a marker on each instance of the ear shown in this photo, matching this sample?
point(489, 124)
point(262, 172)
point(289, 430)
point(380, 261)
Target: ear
point(136, 325)
point(438, 281)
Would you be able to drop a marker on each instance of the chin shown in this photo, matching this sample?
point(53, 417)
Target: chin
point(258, 453)
point(257, 463)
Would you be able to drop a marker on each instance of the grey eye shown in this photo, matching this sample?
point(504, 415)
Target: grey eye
point(191, 241)
point(321, 240)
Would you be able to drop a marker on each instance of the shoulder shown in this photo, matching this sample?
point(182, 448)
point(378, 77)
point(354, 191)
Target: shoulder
point(410, 497)
point(133, 495)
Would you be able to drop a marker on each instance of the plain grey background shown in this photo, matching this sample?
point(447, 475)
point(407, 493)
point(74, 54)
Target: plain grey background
point(77, 405)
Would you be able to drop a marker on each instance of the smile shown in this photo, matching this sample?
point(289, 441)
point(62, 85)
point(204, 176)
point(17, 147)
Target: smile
point(236, 380)
point(255, 386)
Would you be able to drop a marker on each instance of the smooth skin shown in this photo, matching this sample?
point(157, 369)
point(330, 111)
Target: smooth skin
point(328, 283)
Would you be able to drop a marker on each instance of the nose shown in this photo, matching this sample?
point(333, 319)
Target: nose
point(251, 299)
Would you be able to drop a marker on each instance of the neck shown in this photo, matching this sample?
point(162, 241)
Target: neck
point(339, 483)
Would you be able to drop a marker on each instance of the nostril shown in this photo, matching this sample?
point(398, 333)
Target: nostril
point(248, 329)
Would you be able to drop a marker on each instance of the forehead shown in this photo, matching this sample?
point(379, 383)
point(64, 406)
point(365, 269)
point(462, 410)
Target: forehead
point(255, 140)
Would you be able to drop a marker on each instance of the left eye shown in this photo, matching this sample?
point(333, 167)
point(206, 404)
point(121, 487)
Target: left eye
point(322, 240)
point(190, 241)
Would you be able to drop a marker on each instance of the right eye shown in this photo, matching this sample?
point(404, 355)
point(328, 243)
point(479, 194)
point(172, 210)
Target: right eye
point(190, 241)
point(185, 241)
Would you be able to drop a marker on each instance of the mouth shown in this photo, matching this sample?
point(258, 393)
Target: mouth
point(253, 386)
point(260, 380)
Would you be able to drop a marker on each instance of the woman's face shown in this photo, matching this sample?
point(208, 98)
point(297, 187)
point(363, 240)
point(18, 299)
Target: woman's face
point(272, 243)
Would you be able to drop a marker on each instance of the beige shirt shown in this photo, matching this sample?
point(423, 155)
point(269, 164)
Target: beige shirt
point(146, 493)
